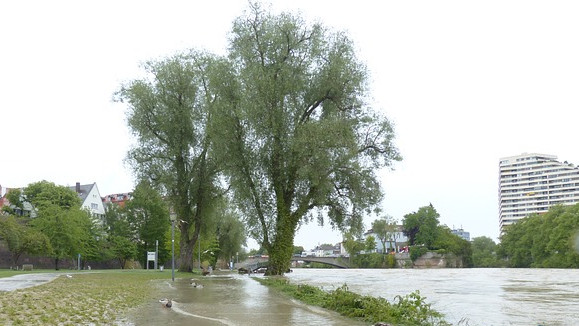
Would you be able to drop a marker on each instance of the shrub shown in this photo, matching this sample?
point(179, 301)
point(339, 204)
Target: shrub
point(411, 309)
point(417, 252)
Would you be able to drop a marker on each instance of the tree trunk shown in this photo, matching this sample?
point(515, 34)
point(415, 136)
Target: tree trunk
point(186, 250)
point(282, 249)
point(56, 263)
point(15, 257)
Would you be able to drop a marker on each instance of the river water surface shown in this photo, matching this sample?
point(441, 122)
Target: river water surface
point(230, 299)
point(467, 297)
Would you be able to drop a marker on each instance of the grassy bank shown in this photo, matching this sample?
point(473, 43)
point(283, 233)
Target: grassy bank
point(404, 310)
point(98, 298)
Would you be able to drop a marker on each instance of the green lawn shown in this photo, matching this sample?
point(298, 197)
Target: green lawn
point(96, 298)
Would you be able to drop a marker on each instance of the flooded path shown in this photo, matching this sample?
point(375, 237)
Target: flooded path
point(22, 281)
point(233, 300)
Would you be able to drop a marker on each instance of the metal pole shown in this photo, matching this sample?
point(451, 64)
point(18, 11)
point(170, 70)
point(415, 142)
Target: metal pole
point(199, 237)
point(156, 253)
point(173, 250)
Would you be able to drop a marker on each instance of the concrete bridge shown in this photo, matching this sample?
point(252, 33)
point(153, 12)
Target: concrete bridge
point(256, 263)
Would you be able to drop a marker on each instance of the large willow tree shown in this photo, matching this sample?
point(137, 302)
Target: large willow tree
point(168, 113)
point(296, 131)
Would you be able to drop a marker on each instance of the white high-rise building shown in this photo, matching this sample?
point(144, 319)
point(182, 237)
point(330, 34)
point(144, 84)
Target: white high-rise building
point(531, 183)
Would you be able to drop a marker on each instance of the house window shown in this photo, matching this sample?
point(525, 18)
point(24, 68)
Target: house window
point(94, 206)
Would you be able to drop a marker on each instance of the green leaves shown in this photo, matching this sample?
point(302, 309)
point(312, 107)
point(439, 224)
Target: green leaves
point(421, 226)
point(283, 119)
point(21, 238)
point(546, 240)
point(410, 309)
point(304, 140)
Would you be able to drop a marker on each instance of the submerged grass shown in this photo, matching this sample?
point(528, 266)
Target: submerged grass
point(404, 310)
point(101, 298)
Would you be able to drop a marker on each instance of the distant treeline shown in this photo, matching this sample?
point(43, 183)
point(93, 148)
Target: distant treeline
point(549, 240)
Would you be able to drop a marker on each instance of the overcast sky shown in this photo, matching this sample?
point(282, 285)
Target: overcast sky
point(464, 82)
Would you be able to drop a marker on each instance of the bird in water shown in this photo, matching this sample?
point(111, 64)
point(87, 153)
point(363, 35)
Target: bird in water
point(196, 285)
point(167, 303)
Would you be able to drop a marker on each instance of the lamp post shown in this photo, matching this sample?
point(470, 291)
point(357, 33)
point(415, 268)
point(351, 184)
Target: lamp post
point(199, 238)
point(173, 217)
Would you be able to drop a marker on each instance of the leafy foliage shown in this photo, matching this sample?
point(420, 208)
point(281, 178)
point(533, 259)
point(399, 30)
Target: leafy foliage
point(484, 253)
point(452, 243)
point(231, 235)
point(424, 234)
point(21, 238)
point(352, 245)
point(370, 244)
point(548, 240)
point(169, 113)
point(421, 227)
point(385, 229)
point(148, 218)
point(411, 309)
point(417, 252)
point(300, 138)
point(60, 218)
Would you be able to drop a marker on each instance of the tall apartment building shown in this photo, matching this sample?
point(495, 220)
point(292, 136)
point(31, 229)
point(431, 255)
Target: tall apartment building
point(531, 183)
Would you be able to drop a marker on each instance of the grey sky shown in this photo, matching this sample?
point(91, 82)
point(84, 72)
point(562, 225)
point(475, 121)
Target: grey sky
point(464, 82)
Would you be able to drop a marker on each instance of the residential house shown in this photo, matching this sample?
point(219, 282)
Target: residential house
point(91, 200)
point(397, 240)
point(26, 210)
point(119, 199)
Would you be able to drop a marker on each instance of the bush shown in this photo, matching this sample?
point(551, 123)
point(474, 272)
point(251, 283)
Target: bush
point(411, 309)
point(417, 252)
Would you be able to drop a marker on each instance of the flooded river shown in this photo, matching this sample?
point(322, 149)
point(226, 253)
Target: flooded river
point(467, 297)
point(474, 297)
point(230, 299)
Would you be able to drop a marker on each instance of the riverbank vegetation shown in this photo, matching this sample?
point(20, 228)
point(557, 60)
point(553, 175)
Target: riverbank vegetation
point(410, 309)
point(549, 240)
point(81, 299)
point(425, 233)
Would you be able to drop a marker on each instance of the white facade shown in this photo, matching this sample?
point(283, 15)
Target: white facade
point(397, 238)
point(532, 183)
point(91, 200)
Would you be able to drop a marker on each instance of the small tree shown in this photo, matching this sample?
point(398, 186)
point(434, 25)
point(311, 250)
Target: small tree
point(60, 218)
point(148, 217)
point(370, 244)
point(352, 245)
point(22, 239)
point(421, 227)
point(385, 229)
point(231, 234)
point(484, 252)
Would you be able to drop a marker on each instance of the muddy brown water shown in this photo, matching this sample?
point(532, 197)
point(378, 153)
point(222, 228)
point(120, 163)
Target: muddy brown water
point(467, 297)
point(230, 299)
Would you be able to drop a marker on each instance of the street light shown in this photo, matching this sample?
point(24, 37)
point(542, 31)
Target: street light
point(199, 238)
point(173, 217)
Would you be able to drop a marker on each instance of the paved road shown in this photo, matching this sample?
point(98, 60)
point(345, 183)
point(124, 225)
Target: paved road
point(22, 281)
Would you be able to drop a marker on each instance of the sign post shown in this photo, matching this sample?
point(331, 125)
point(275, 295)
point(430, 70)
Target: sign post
point(150, 257)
